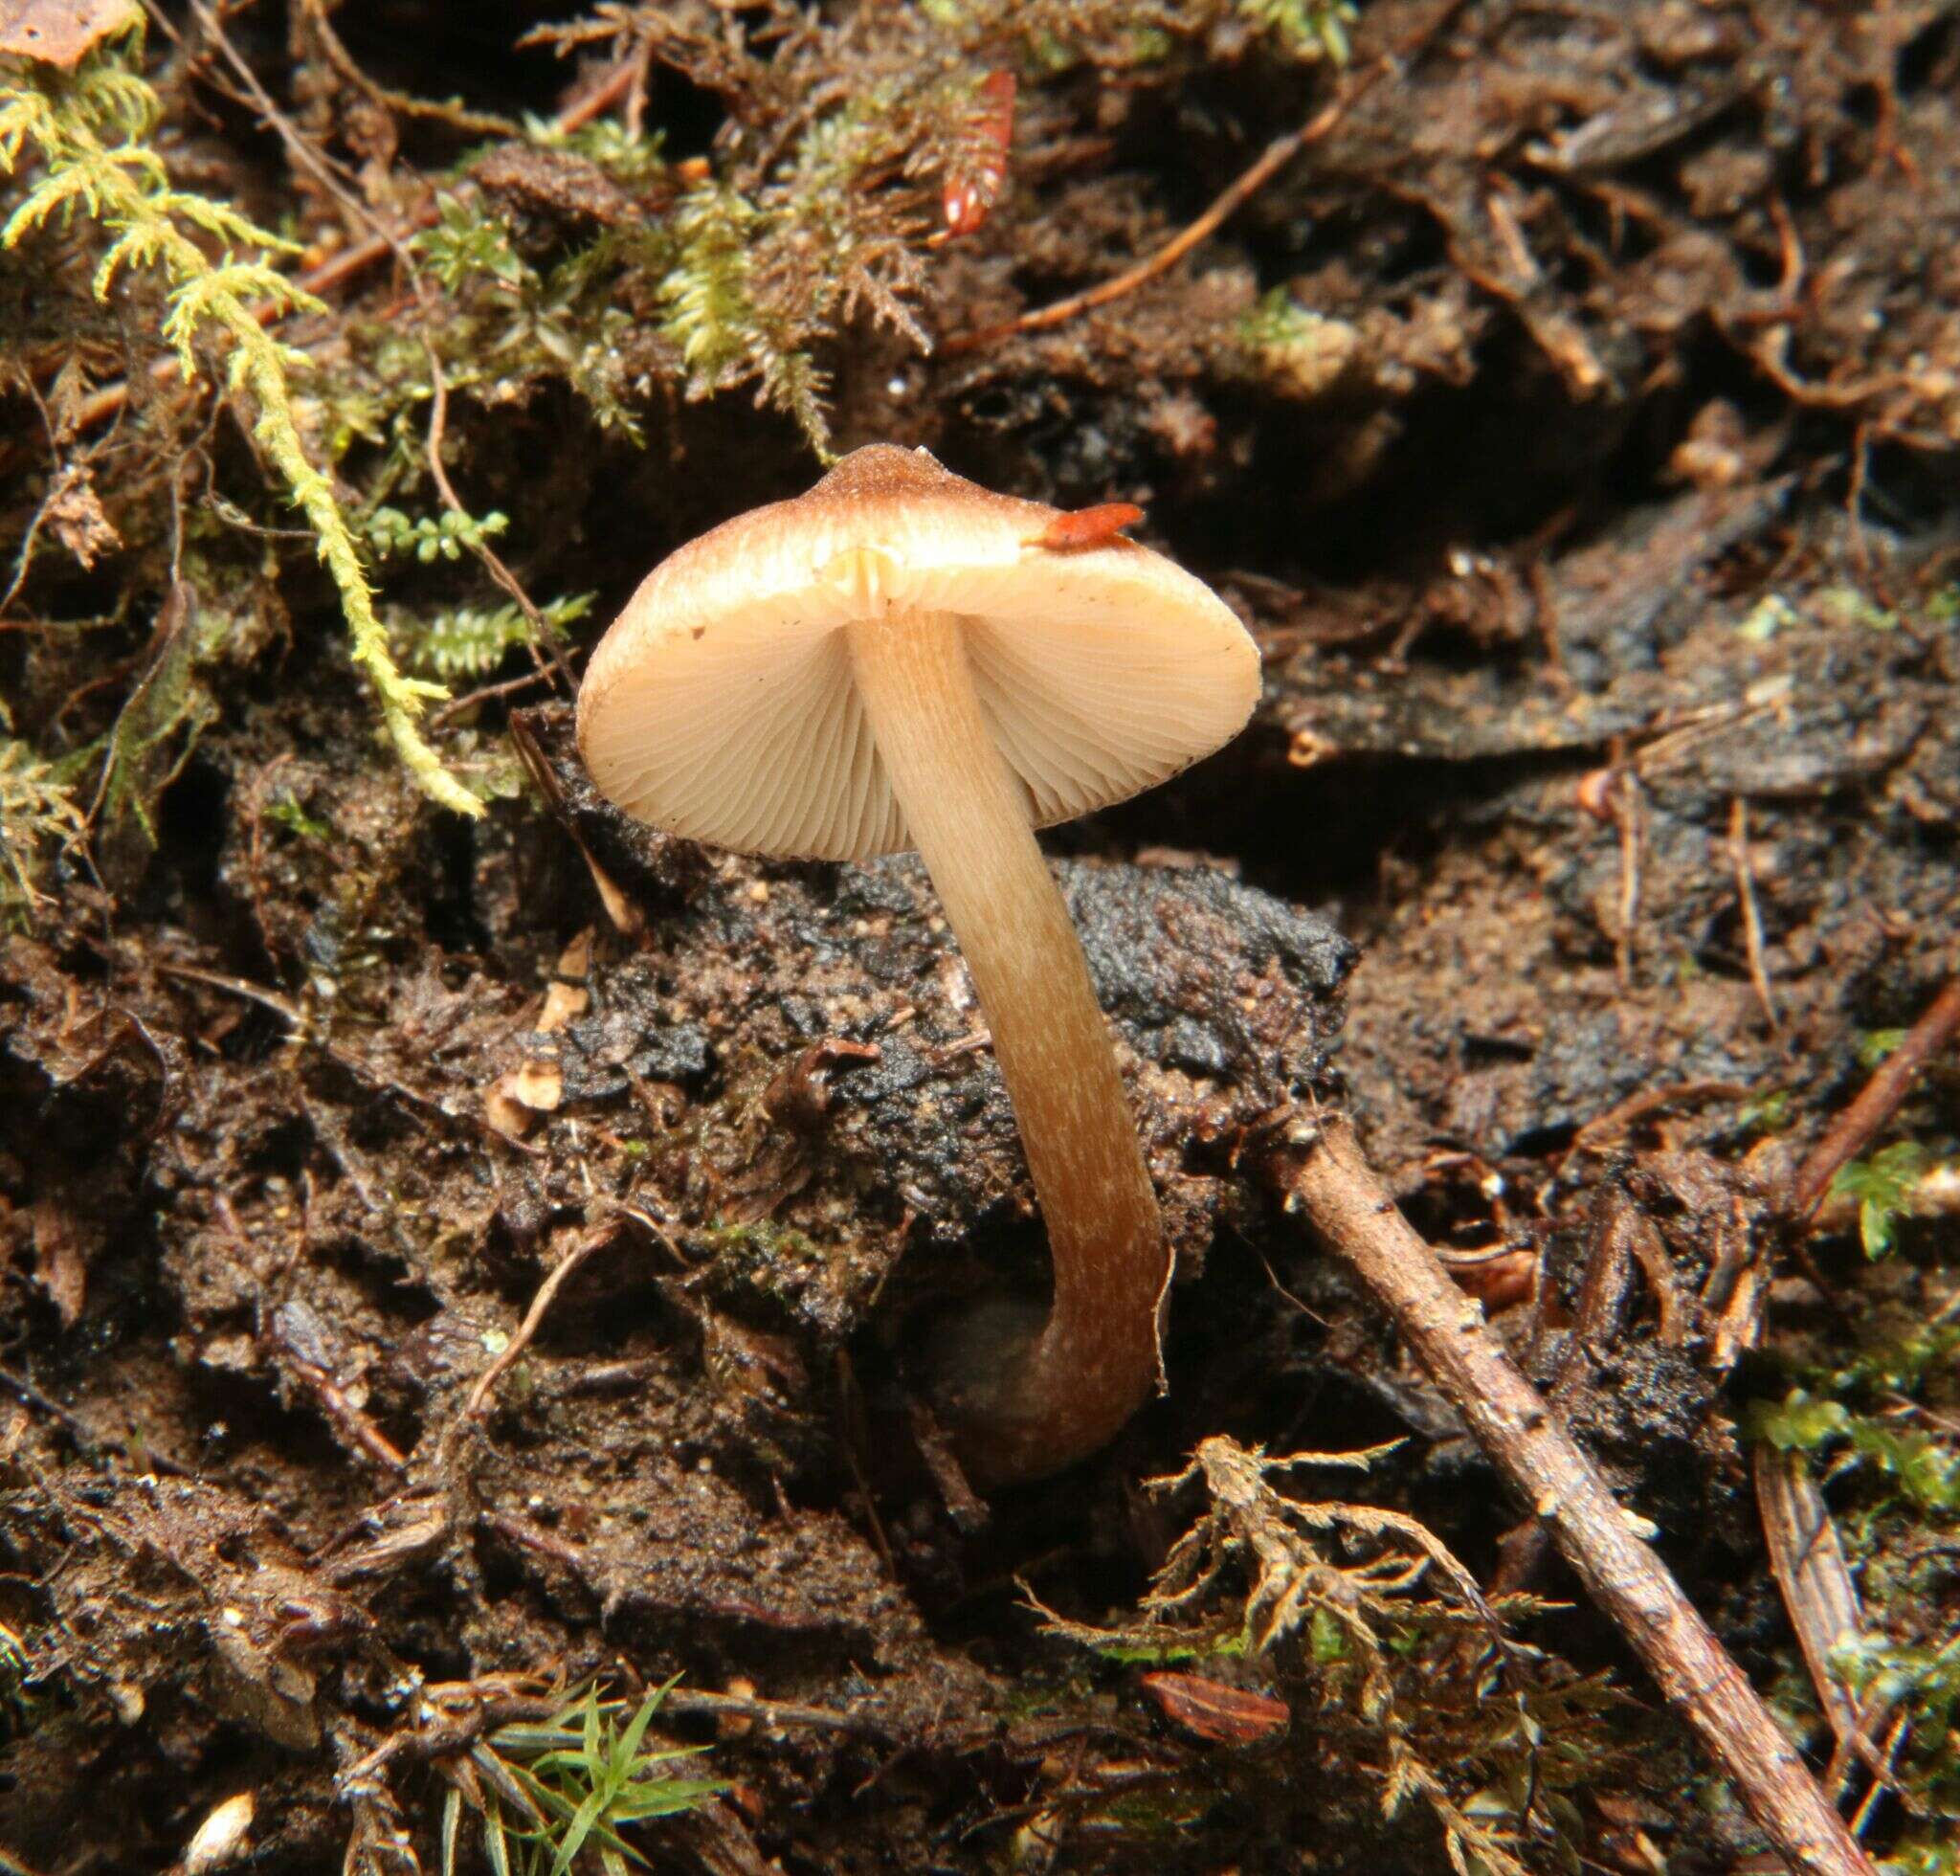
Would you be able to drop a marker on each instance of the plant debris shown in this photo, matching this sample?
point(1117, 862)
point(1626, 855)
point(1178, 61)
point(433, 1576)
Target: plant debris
point(478, 1270)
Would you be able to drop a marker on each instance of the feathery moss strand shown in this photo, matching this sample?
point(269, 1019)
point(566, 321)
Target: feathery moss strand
point(127, 190)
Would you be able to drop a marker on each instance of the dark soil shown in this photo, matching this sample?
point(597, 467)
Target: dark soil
point(1592, 496)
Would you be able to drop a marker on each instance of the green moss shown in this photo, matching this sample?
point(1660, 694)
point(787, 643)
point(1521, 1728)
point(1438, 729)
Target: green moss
point(755, 1250)
point(1307, 29)
point(1883, 1186)
point(89, 128)
point(1882, 1426)
point(37, 810)
point(471, 641)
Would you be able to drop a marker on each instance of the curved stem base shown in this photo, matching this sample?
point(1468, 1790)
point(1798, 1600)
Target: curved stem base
point(1097, 1358)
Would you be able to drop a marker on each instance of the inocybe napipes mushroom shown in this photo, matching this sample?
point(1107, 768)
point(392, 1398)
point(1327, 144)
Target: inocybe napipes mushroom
point(900, 659)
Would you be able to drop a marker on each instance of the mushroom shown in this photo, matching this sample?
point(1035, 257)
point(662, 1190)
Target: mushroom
point(900, 659)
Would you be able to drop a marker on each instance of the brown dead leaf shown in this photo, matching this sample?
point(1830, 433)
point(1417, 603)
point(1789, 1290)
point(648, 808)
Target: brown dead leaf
point(512, 1102)
point(60, 31)
point(1808, 1563)
point(74, 515)
point(564, 1003)
point(539, 1085)
point(1213, 1709)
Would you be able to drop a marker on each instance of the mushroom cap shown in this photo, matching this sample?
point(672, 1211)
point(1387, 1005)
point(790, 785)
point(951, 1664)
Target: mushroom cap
point(721, 704)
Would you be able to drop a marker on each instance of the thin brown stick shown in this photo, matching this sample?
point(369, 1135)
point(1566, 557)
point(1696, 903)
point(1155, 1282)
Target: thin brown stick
point(534, 1316)
point(338, 269)
point(1626, 813)
point(1751, 918)
point(544, 653)
point(1877, 1102)
point(304, 152)
point(772, 1712)
point(470, 699)
point(1621, 1115)
point(1277, 155)
point(1326, 1179)
point(602, 97)
point(473, 123)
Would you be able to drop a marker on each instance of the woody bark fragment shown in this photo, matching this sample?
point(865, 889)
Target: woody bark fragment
point(1326, 1178)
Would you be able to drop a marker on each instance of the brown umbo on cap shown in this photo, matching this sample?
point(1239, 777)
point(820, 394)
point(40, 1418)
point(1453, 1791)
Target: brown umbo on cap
point(900, 658)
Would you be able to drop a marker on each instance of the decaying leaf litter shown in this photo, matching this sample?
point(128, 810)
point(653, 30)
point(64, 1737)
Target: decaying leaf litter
point(1570, 408)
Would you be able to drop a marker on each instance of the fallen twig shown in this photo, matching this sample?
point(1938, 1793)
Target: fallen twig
point(1808, 1563)
point(772, 1712)
point(305, 153)
point(1877, 1102)
point(472, 124)
point(534, 1316)
point(1751, 918)
point(1326, 1179)
point(1277, 155)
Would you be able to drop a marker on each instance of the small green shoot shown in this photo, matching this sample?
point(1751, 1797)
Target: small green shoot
point(447, 536)
point(286, 813)
point(466, 246)
point(1922, 1468)
point(1874, 1045)
point(550, 1793)
point(471, 641)
point(1766, 619)
point(1883, 1186)
point(1307, 29)
point(1766, 1112)
point(1845, 604)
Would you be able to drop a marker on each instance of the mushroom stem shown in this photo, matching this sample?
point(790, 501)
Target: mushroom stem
point(1097, 1358)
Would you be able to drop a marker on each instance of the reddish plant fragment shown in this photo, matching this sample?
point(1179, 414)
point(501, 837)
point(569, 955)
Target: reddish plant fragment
point(973, 183)
point(1088, 528)
point(1211, 1710)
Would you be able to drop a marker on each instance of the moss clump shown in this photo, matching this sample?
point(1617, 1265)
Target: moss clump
point(36, 809)
point(1416, 1689)
point(89, 131)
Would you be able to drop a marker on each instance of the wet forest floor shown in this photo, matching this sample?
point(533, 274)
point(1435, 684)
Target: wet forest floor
point(470, 1267)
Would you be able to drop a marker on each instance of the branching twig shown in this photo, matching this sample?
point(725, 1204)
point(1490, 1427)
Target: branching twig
point(472, 124)
point(1326, 1179)
point(304, 152)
